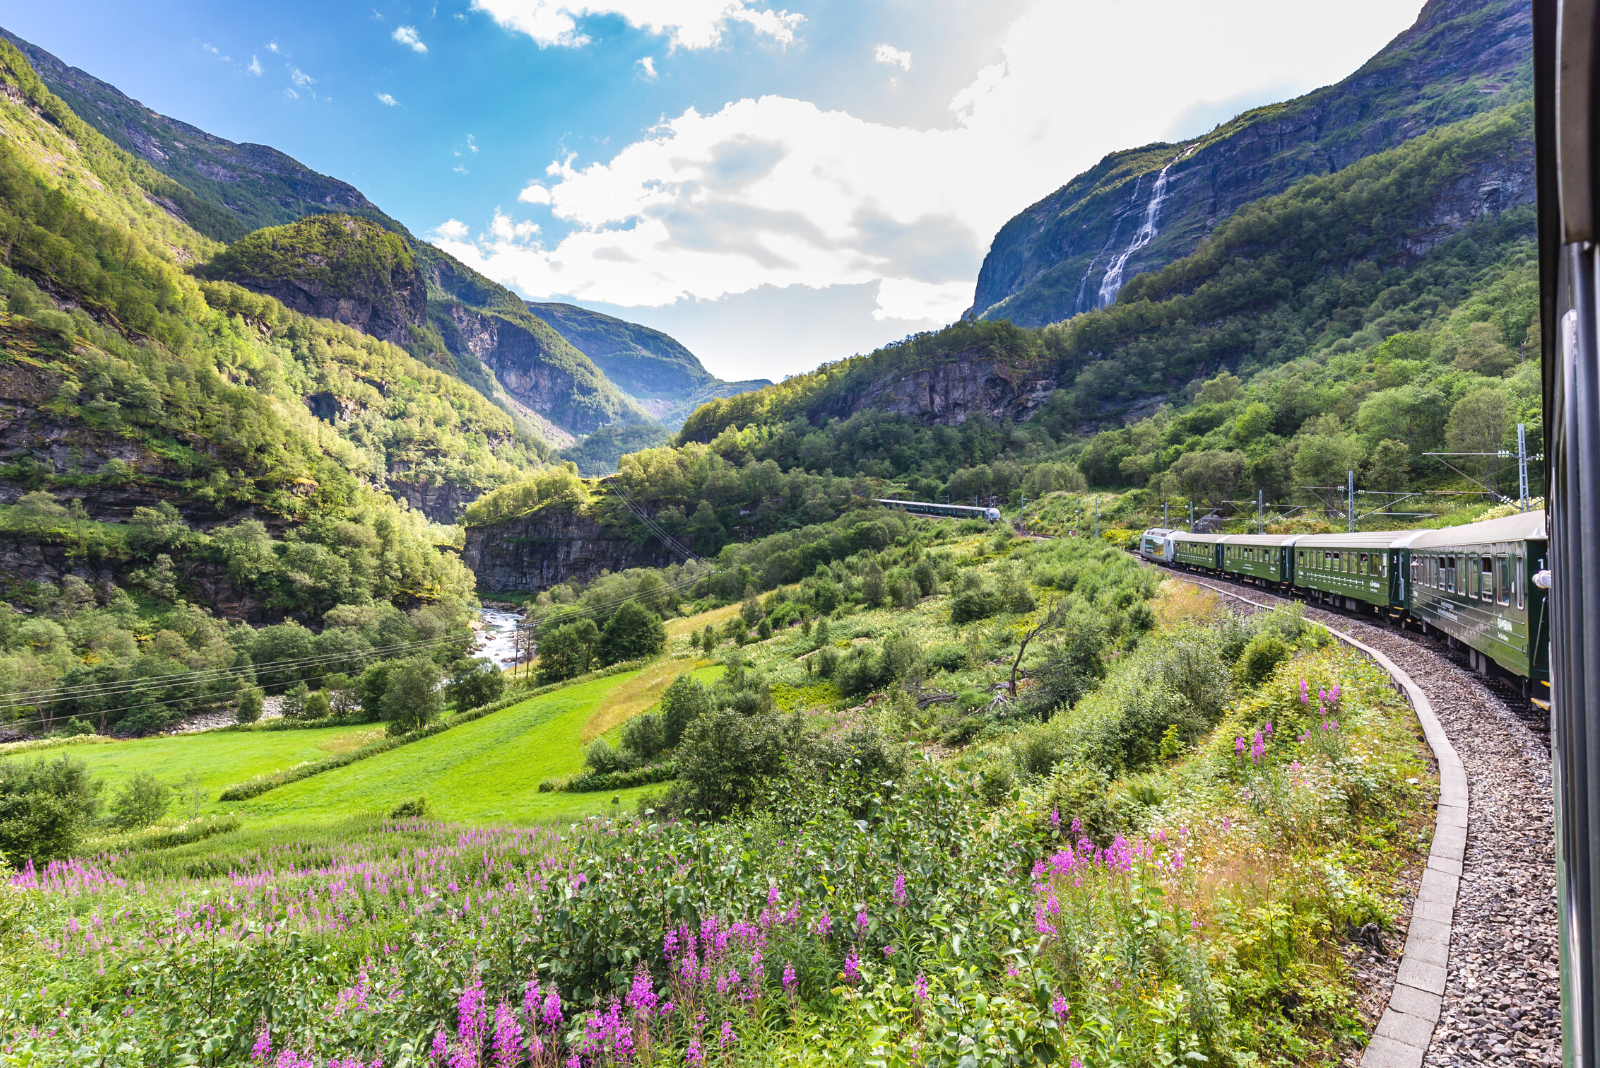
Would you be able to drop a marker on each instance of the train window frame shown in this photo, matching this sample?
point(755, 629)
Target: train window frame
point(1470, 587)
point(1522, 584)
point(1450, 574)
point(1503, 583)
point(1486, 571)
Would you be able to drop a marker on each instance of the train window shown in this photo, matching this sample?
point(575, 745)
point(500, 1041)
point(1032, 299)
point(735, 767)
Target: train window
point(1300, 557)
point(1488, 578)
point(1469, 584)
point(1504, 584)
point(1522, 584)
point(1450, 574)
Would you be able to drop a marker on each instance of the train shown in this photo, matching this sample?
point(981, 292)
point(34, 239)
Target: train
point(1482, 586)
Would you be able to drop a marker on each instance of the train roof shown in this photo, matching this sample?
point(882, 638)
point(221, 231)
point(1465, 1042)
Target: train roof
point(1207, 539)
point(1525, 526)
point(1270, 540)
point(1372, 539)
point(1157, 532)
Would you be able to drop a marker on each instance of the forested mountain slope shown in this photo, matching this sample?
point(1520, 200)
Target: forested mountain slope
point(254, 185)
point(654, 368)
point(1143, 208)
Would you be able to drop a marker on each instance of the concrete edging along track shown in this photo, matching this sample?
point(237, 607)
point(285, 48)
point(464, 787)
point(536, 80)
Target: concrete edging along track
point(1405, 1031)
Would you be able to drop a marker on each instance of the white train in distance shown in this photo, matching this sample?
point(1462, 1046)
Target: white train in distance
point(947, 511)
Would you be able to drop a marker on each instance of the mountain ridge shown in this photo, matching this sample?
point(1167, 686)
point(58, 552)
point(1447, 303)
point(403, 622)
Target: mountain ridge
point(1051, 261)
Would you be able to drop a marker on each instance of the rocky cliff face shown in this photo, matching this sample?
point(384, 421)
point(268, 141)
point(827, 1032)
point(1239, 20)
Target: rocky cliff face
point(442, 502)
point(952, 392)
point(1137, 211)
point(388, 312)
point(550, 547)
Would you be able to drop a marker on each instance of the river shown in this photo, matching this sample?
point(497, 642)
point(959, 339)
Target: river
point(497, 640)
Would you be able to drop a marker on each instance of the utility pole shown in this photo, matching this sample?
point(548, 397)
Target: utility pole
point(1522, 462)
point(1351, 490)
point(1191, 517)
point(1166, 521)
point(1259, 500)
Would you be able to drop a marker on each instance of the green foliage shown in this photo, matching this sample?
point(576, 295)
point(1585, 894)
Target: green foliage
point(684, 701)
point(567, 651)
point(725, 759)
point(411, 698)
point(1261, 658)
point(632, 633)
point(142, 800)
point(474, 682)
point(45, 808)
point(415, 808)
point(342, 254)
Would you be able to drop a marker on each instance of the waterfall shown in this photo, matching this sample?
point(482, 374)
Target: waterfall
point(1083, 284)
point(1112, 282)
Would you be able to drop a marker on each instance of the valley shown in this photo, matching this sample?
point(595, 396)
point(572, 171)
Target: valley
point(398, 671)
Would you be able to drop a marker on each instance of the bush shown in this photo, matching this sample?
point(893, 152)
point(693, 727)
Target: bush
point(725, 758)
point(974, 600)
point(473, 683)
point(412, 699)
point(1261, 658)
point(316, 706)
point(44, 808)
point(415, 808)
point(632, 633)
point(294, 701)
point(643, 737)
point(567, 651)
point(601, 758)
point(948, 656)
point(251, 702)
point(685, 701)
point(143, 800)
point(1074, 664)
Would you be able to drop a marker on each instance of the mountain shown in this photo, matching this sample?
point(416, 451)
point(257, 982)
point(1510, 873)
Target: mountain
point(1141, 209)
point(665, 378)
point(254, 185)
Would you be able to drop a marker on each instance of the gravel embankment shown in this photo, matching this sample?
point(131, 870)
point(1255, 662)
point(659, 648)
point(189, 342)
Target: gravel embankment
point(1502, 1002)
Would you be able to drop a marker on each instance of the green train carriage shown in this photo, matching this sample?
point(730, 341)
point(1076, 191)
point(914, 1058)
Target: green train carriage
point(1201, 552)
point(1263, 558)
point(1475, 584)
point(1360, 571)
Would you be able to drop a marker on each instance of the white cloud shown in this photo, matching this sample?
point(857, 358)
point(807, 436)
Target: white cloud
point(687, 23)
point(451, 230)
point(407, 35)
point(385, 98)
point(300, 77)
point(472, 144)
point(779, 192)
point(647, 68)
point(290, 93)
point(272, 46)
point(893, 56)
point(254, 67)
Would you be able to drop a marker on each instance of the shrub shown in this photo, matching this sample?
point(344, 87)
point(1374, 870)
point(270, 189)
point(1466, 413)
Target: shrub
point(294, 701)
point(1261, 658)
point(632, 633)
point(601, 758)
point(44, 808)
point(316, 706)
point(1074, 664)
point(143, 800)
point(725, 758)
point(250, 704)
point(643, 737)
point(567, 651)
point(974, 600)
point(685, 701)
point(412, 808)
point(948, 656)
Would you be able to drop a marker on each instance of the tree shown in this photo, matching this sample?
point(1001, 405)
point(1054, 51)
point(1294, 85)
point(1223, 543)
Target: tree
point(724, 758)
point(1483, 351)
point(1253, 422)
point(567, 651)
point(412, 699)
point(251, 702)
point(1220, 390)
point(1389, 467)
point(632, 633)
point(750, 610)
point(685, 701)
point(1324, 459)
point(294, 702)
point(44, 808)
point(1478, 424)
point(1211, 476)
point(142, 800)
point(704, 528)
point(474, 682)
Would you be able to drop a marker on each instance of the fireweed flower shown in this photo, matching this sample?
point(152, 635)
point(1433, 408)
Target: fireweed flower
point(920, 987)
point(551, 1017)
point(441, 1048)
point(861, 923)
point(1238, 745)
point(824, 925)
point(1058, 1006)
point(727, 1034)
point(852, 967)
point(1055, 819)
point(1303, 694)
point(790, 980)
point(507, 1038)
point(262, 1050)
point(900, 885)
point(692, 1055)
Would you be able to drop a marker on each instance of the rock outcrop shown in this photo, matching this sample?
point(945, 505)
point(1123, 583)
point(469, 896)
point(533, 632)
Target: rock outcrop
point(1052, 260)
point(952, 392)
point(549, 547)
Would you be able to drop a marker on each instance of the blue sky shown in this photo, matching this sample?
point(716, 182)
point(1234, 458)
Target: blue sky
point(775, 184)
